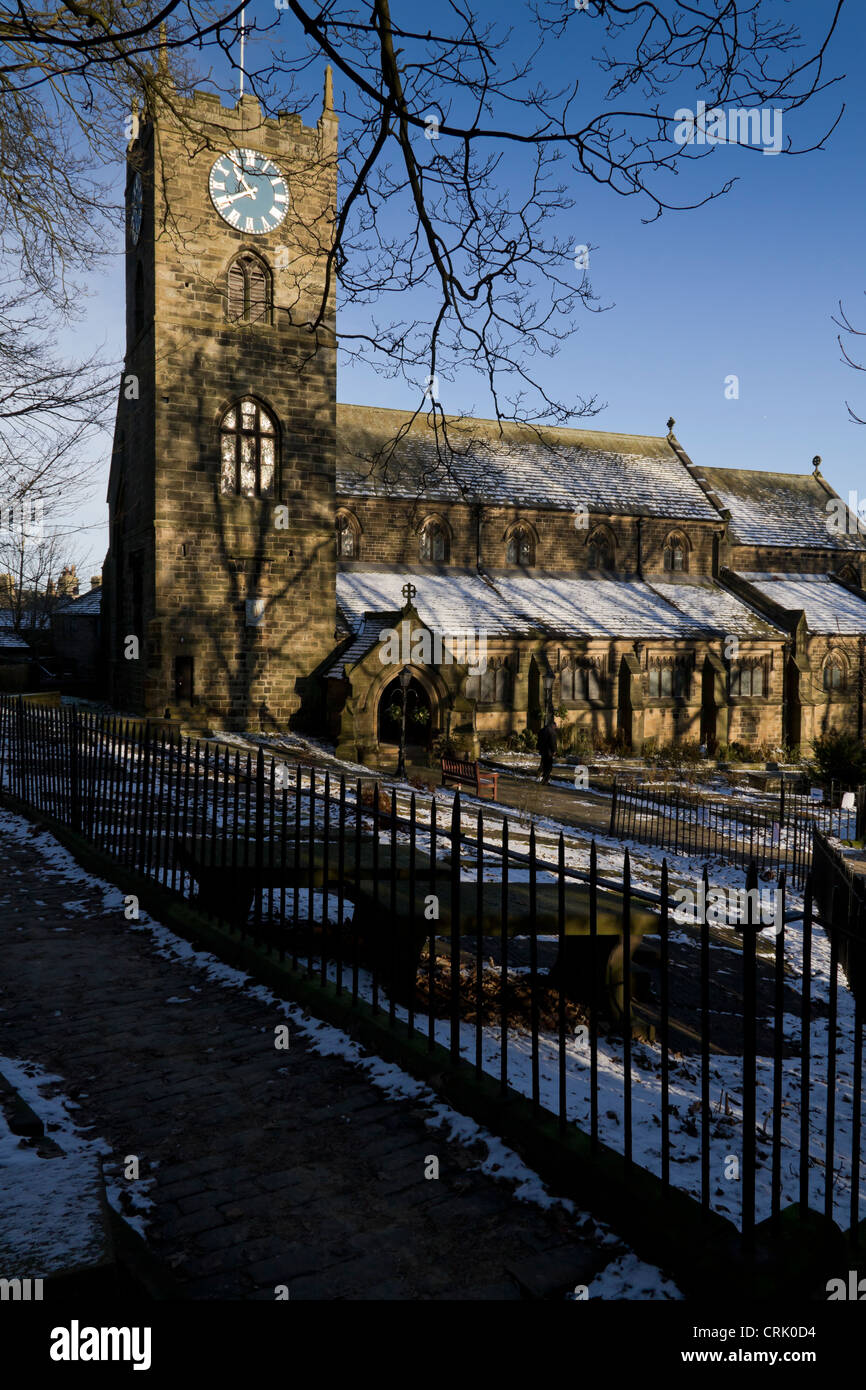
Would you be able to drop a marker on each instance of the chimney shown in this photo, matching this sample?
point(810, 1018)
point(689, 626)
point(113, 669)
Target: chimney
point(96, 581)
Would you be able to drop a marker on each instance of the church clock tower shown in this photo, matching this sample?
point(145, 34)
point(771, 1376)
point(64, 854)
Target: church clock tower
point(220, 576)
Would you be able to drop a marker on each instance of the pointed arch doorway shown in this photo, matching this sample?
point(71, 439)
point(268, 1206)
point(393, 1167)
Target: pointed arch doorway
point(419, 717)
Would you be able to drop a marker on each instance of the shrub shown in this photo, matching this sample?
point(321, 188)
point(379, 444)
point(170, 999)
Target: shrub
point(690, 752)
point(576, 742)
point(385, 804)
point(840, 758)
point(441, 747)
point(736, 753)
point(522, 741)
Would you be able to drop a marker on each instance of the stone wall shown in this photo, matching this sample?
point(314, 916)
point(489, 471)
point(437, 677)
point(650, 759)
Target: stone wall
point(705, 704)
point(389, 532)
point(769, 559)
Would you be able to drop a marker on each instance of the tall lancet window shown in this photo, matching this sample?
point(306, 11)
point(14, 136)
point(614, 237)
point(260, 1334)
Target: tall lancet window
point(248, 450)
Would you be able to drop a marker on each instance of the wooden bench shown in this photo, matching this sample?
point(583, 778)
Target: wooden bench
point(469, 775)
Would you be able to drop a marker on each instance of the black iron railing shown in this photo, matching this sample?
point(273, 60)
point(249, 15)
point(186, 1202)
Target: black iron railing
point(697, 1029)
point(773, 833)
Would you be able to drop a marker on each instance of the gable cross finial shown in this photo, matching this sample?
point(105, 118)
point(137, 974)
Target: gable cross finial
point(409, 591)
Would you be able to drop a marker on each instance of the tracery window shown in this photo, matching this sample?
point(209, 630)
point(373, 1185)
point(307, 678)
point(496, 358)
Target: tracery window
point(834, 674)
point(248, 445)
point(669, 678)
point(491, 686)
point(433, 545)
point(347, 536)
point(676, 553)
point(520, 549)
point(748, 678)
point(599, 551)
point(581, 682)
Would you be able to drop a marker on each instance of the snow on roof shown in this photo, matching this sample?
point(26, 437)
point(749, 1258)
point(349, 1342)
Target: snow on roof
point(84, 605)
point(778, 509)
point(455, 601)
point(829, 608)
point(595, 607)
point(28, 619)
point(717, 608)
point(516, 604)
point(367, 637)
point(514, 465)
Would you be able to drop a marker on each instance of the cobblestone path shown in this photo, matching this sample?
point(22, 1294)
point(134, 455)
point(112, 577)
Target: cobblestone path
point(264, 1167)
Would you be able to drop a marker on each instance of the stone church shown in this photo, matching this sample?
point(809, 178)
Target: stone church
point(276, 559)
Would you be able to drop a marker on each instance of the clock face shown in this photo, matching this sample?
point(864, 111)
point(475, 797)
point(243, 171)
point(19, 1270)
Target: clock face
point(249, 192)
point(136, 207)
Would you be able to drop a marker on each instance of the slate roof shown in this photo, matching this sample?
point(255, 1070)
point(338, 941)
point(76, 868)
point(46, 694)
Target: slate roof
point(7, 620)
point(366, 637)
point(829, 608)
point(778, 509)
point(517, 604)
point(625, 474)
point(570, 607)
point(455, 601)
point(717, 608)
point(10, 641)
point(83, 606)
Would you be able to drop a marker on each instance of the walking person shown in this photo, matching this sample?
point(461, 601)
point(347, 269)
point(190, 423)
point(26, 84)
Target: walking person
point(547, 740)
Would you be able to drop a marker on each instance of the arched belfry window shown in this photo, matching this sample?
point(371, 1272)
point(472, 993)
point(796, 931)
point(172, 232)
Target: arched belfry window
point(249, 290)
point(248, 450)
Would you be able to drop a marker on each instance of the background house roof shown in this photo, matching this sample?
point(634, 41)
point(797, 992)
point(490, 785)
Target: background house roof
point(28, 620)
point(829, 608)
point(83, 606)
point(382, 454)
point(778, 509)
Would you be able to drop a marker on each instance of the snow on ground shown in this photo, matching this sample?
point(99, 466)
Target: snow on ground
point(51, 1215)
point(500, 1161)
point(630, 1277)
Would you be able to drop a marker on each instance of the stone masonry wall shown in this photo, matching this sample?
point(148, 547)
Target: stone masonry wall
point(211, 553)
point(390, 532)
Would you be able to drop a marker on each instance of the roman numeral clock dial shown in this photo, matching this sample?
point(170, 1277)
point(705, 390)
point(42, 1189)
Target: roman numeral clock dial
point(249, 192)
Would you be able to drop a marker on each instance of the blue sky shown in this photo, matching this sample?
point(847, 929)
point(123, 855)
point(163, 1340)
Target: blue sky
point(745, 286)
